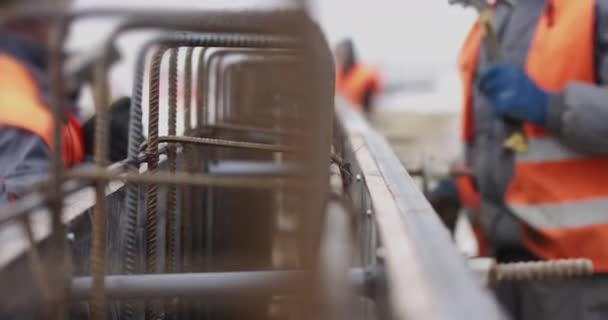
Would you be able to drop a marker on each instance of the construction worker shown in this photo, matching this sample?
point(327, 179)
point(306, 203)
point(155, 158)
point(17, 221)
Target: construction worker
point(26, 122)
point(355, 81)
point(548, 200)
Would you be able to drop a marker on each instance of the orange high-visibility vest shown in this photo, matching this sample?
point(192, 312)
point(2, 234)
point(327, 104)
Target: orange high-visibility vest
point(561, 195)
point(353, 85)
point(470, 199)
point(22, 107)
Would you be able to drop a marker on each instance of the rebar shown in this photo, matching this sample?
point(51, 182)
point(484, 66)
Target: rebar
point(541, 270)
point(152, 214)
point(185, 223)
point(58, 262)
point(187, 163)
point(200, 162)
point(129, 235)
point(184, 179)
point(98, 246)
point(172, 164)
point(223, 143)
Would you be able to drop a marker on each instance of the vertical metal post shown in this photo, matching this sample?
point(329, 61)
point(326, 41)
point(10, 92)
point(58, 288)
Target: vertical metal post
point(58, 262)
point(98, 250)
point(152, 194)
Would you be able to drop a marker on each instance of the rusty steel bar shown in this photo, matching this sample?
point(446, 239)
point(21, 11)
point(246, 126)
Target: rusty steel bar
point(171, 259)
point(540, 270)
point(224, 143)
point(180, 178)
point(129, 256)
point(187, 163)
point(153, 309)
point(98, 250)
point(58, 267)
point(152, 215)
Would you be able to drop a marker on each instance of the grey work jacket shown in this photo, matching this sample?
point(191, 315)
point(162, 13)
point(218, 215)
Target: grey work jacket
point(578, 116)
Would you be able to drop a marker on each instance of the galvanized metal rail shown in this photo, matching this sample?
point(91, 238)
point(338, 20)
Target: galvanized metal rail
point(421, 261)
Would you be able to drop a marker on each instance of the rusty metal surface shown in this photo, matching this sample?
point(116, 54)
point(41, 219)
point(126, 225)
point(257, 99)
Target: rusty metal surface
point(223, 143)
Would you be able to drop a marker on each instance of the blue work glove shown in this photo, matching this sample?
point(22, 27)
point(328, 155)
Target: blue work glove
point(512, 93)
point(444, 199)
point(447, 187)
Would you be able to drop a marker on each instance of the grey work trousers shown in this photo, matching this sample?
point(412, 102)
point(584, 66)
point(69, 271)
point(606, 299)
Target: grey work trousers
point(576, 299)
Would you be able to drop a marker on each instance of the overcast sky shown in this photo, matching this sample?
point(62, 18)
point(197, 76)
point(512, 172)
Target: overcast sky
point(398, 31)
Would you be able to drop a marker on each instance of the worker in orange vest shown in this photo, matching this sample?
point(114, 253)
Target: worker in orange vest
point(357, 82)
point(26, 122)
point(551, 200)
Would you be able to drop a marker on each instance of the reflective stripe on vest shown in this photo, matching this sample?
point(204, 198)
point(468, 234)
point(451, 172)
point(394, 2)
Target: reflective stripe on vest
point(562, 195)
point(543, 149)
point(356, 83)
point(574, 214)
point(22, 107)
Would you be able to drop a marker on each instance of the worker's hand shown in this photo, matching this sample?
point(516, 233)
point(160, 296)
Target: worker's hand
point(512, 93)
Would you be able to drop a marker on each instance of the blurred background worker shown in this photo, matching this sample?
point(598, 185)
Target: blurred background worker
point(354, 80)
point(551, 200)
point(26, 122)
